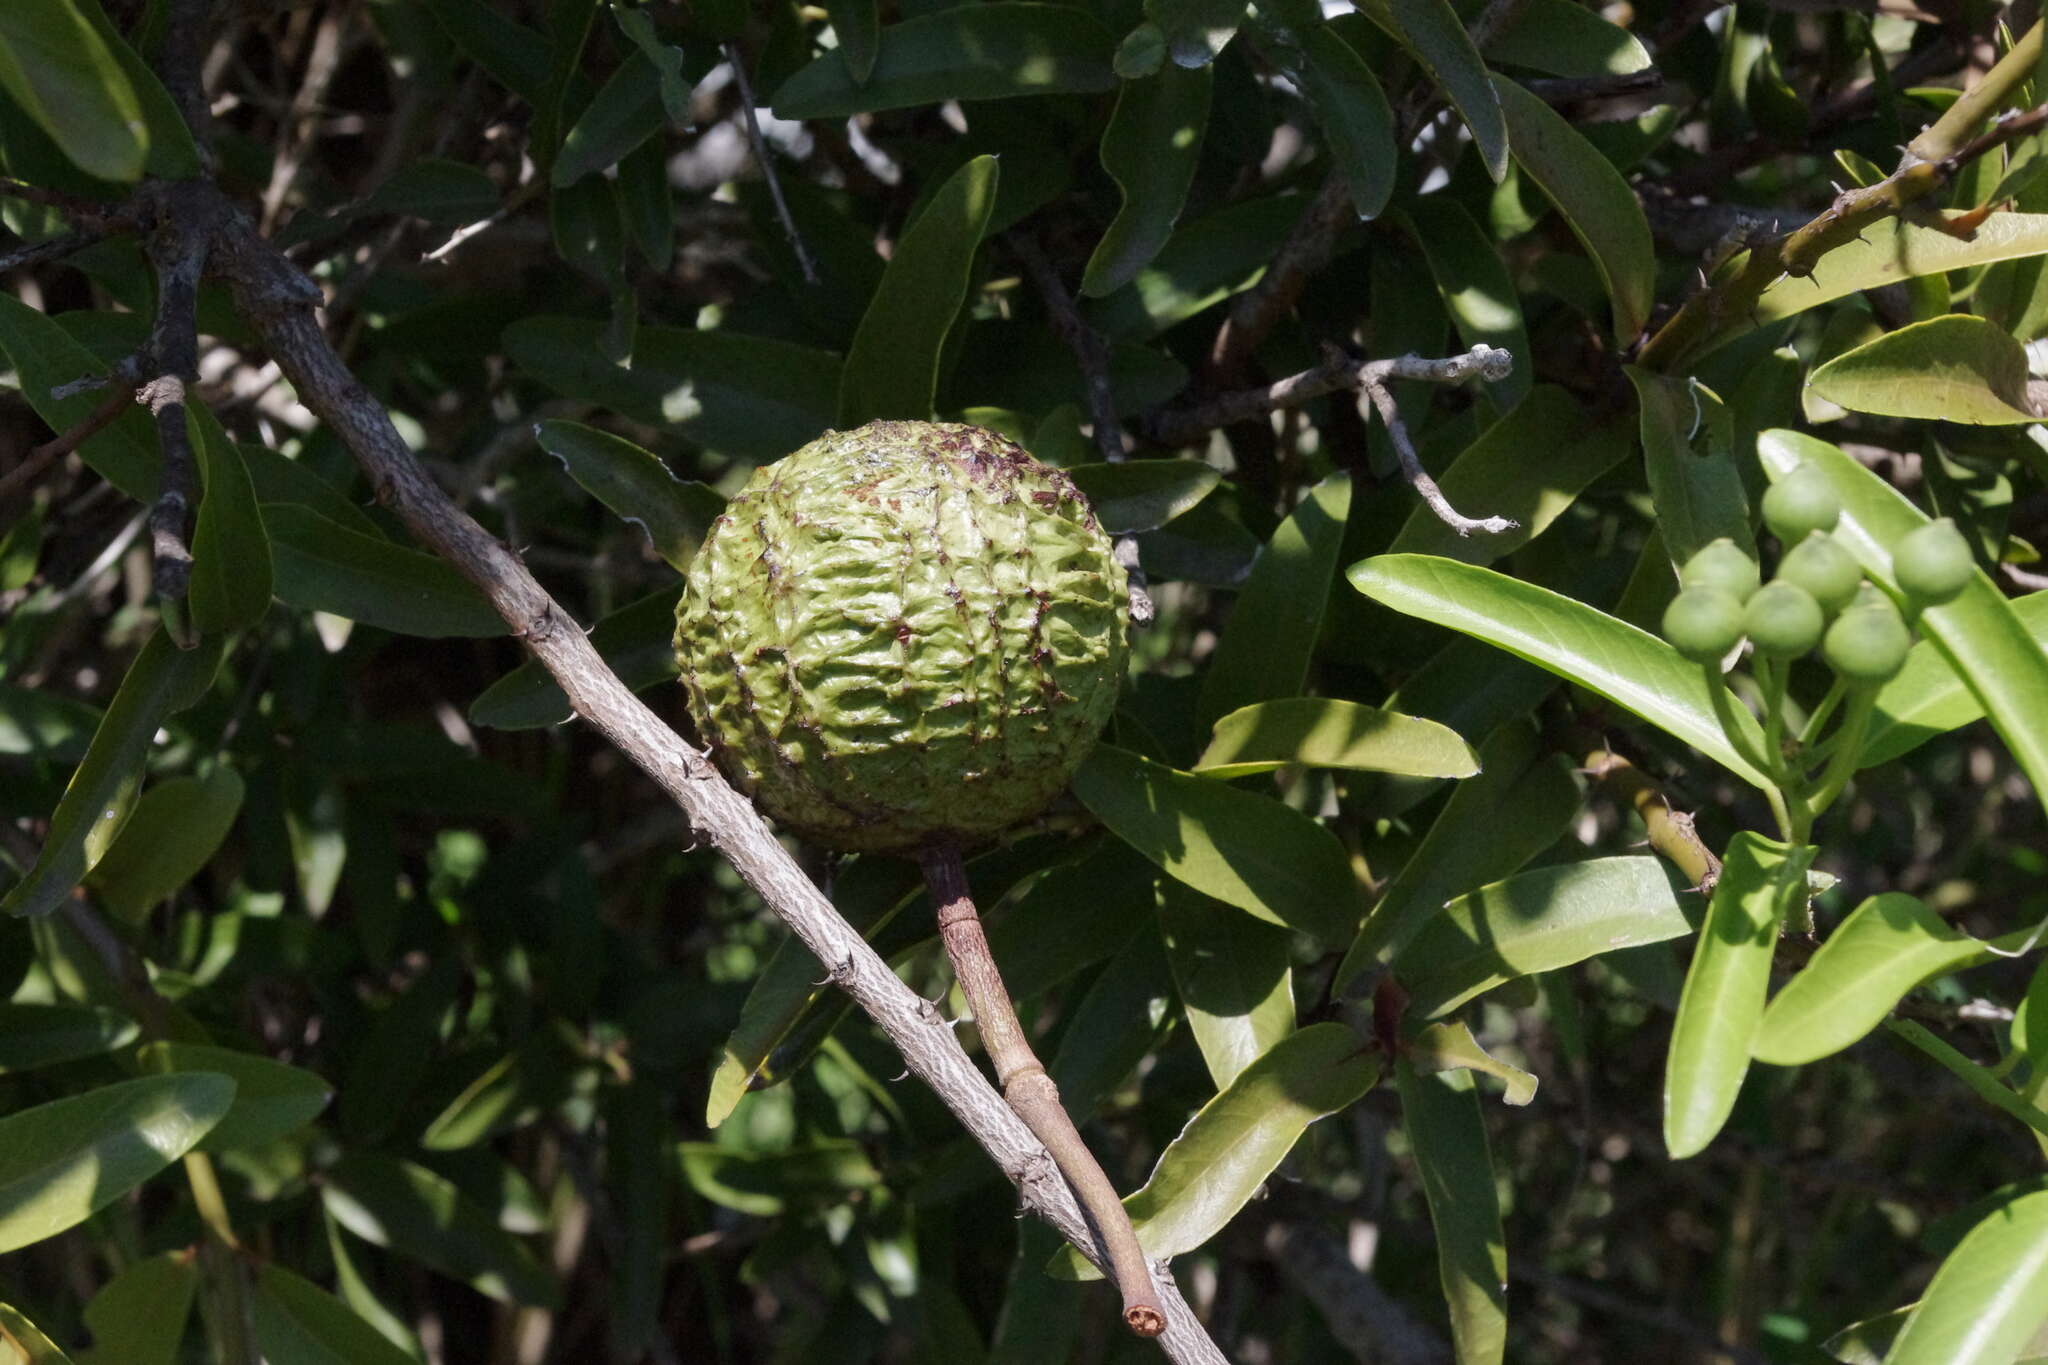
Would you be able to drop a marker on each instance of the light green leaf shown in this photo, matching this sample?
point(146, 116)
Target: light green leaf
point(1982, 637)
point(1142, 495)
point(1762, 881)
point(1541, 920)
point(231, 573)
point(174, 831)
point(271, 1098)
point(1926, 698)
point(1432, 33)
point(1320, 732)
point(60, 1162)
point(1270, 637)
point(417, 1214)
point(25, 1342)
point(45, 356)
point(1689, 452)
point(1150, 149)
point(322, 566)
point(969, 52)
point(1477, 290)
point(1631, 668)
point(33, 1035)
point(674, 514)
point(1239, 1138)
point(1990, 1295)
point(163, 680)
point(1954, 368)
point(298, 1323)
point(637, 642)
point(1560, 38)
point(1451, 1047)
point(1597, 204)
point(139, 1317)
point(61, 72)
point(1244, 849)
point(1353, 113)
point(1447, 1133)
point(892, 368)
point(1233, 978)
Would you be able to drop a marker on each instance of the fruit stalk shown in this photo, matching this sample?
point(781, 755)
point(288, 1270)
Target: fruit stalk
point(1030, 1092)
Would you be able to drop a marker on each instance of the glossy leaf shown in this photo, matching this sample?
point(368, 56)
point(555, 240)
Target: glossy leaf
point(1433, 34)
point(892, 368)
point(420, 1215)
point(1353, 113)
point(1321, 732)
point(1244, 849)
point(1689, 452)
point(1236, 1140)
point(25, 1342)
point(45, 356)
point(1927, 698)
point(969, 52)
point(162, 681)
point(1232, 975)
point(1451, 1047)
point(1447, 1134)
point(1560, 38)
point(637, 642)
point(62, 1161)
point(322, 566)
point(271, 1098)
point(173, 832)
point(33, 1035)
point(1518, 805)
point(139, 1317)
point(298, 1323)
point(1954, 368)
point(1762, 881)
point(674, 514)
point(1478, 292)
point(1270, 638)
point(1597, 204)
point(1150, 148)
point(231, 573)
point(1631, 668)
point(1988, 1298)
point(1538, 921)
point(1984, 640)
point(1982, 1082)
point(1142, 495)
point(64, 76)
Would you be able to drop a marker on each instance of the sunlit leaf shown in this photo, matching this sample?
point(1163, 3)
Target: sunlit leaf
point(1142, 495)
point(1990, 1295)
point(1448, 1136)
point(1233, 978)
point(271, 1098)
point(1150, 148)
point(1321, 732)
point(422, 1216)
point(1954, 368)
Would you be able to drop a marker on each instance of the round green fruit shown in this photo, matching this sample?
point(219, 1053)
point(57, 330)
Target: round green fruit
point(1821, 566)
point(903, 635)
point(1801, 503)
point(1722, 564)
point(1782, 620)
point(1703, 624)
point(1867, 644)
point(1933, 563)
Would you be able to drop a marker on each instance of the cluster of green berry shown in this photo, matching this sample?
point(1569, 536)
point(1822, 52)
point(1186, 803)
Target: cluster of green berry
point(1817, 597)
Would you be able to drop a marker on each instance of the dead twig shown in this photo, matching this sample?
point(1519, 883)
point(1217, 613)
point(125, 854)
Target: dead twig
point(57, 447)
point(758, 145)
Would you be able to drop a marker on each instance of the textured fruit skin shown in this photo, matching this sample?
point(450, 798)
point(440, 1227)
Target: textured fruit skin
point(902, 635)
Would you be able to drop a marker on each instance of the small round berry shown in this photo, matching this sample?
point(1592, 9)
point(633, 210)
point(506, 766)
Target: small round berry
point(1867, 645)
point(1933, 563)
point(1801, 503)
point(1782, 621)
point(1722, 564)
point(1820, 565)
point(1703, 624)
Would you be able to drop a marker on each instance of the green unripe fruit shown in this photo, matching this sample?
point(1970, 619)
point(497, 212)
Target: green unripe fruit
point(1868, 644)
point(1703, 624)
point(1722, 564)
point(1782, 620)
point(1801, 503)
point(1821, 566)
point(1933, 563)
point(902, 635)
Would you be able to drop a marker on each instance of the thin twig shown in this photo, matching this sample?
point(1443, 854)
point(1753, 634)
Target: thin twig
point(71, 206)
point(520, 197)
point(35, 253)
point(759, 146)
point(57, 447)
point(1411, 467)
point(1030, 1091)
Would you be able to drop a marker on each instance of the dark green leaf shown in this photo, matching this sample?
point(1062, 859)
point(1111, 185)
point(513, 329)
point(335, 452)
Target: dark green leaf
point(1982, 1081)
point(271, 1099)
point(1115, 1025)
point(45, 356)
point(139, 1318)
point(626, 112)
point(172, 153)
point(636, 485)
point(1477, 290)
point(1233, 978)
point(231, 572)
point(1320, 732)
point(1430, 30)
point(515, 55)
point(42, 1035)
point(298, 1323)
point(1354, 115)
point(764, 1183)
point(322, 566)
point(1954, 368)
point(855, 25)
point(1203, 263)
point(1150, 148)
point(1560, 38)
point(637, 641)
point(1195, 30)
point(1142, 495)
point(174, 831)
point(38, 723)
point(510, 1093)
point(419, 1215)
point(1447, 1133)
point(1688, 449)
point(61, 72)
point(666, 59)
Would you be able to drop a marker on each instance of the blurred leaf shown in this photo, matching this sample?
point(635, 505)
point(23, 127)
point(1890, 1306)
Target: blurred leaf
point(637, 642)
point(1320, 732)
point(515, 55)
point(1041, 1315)
point(1597, 204)
point(59, 69)
point(1150, 148)
point(1541, 920)
point(1117, 1022)
point(1353, 113)
point(1205, 546)
point(63, 1161)
point(231, 572)
point(1236, 1140)
point(162, 681)
point(421, 1216)
point(1478, 292)
point(449, 193)
point(1631, 668)
point(855, 26)
point(971, 52)
point(1433, 35)
point(25, 1343)
point(1195, 30)
point(173, 832)
point(666, 59)
point(1954, 368)
point(764, 1183)
point(1988, 1298)
point(510, 1093)
point(1560, 38)
point(1270, 637)
point(1246, 850)
point(38, 723)
point(34, 1035)
point(625, 113)
point(636, 485)
point(1762, 881)
point(1142, 495)
point(1451, 1047)
point(1688, 449)
point(322, 566)
point(1447, 1134)
point(1232, 975)
point(45, 356)
point(298, 1323)
point(139, 1317)
point(638, 1179)
point(271, 1099)
point(892, 368)
point(1981, 1080)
